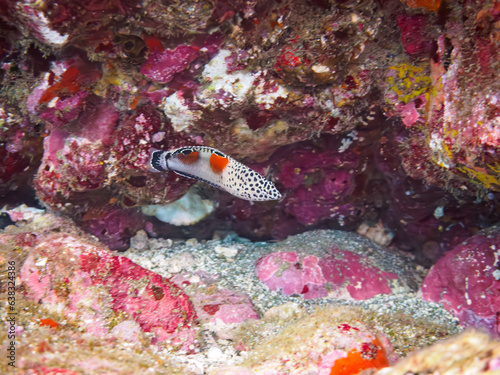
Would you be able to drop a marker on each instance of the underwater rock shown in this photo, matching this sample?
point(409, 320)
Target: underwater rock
point(113, 226)
point(162, 65)
point(318, 182)
point(188, 210)
point(224, 306)
point(20, 152)
point(472, 352)
point(96, 87)
point(453, 98)
point(69, 274)
point(331, 271)
point(81, 308)
point(466, 280)
point(424, 216)
point(326, 342)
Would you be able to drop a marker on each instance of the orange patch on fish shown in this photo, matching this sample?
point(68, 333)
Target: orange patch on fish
point(189, 158)
point(218, 163)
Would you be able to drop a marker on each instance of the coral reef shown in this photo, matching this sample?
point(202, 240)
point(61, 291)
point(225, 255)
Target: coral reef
point(303, 92)
point(189, 307)
point(381, 117)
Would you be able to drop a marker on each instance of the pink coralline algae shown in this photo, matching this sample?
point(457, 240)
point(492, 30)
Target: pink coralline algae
point(225, 306)
point(342, 274)
point(162, 65)
point(99, 288)
point(415, 34)
point(319, 182)
point(466, 280)
point(330, 271)
point(453, 97)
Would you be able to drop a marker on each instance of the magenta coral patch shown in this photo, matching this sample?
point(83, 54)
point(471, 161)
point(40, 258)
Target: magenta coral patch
point(466, 280)
point(341, 273)
point(162, 65)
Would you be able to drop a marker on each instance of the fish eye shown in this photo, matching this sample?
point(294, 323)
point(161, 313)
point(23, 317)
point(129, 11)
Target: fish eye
point(128, 46)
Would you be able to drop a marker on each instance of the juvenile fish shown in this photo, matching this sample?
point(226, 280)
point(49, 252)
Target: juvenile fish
point(217, 169)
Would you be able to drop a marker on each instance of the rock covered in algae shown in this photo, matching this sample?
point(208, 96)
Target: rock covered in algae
point(95, 88)
point(325, 342)
point(94, 290)
point(466, 280)
point(360, 270)
point(472, 352)
point(215, 267)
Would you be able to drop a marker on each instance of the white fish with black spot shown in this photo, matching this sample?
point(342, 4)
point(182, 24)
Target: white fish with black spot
point(217, 169)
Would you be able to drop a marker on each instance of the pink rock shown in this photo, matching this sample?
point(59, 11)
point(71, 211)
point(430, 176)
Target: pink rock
point(128, 331)
point(65, 110)
point(162, 65)
point(114, 227)
point(96, 289)
point(98, 122)
point(466, 280)
point(342, 272)
point(225, 305)
point(349, 270)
